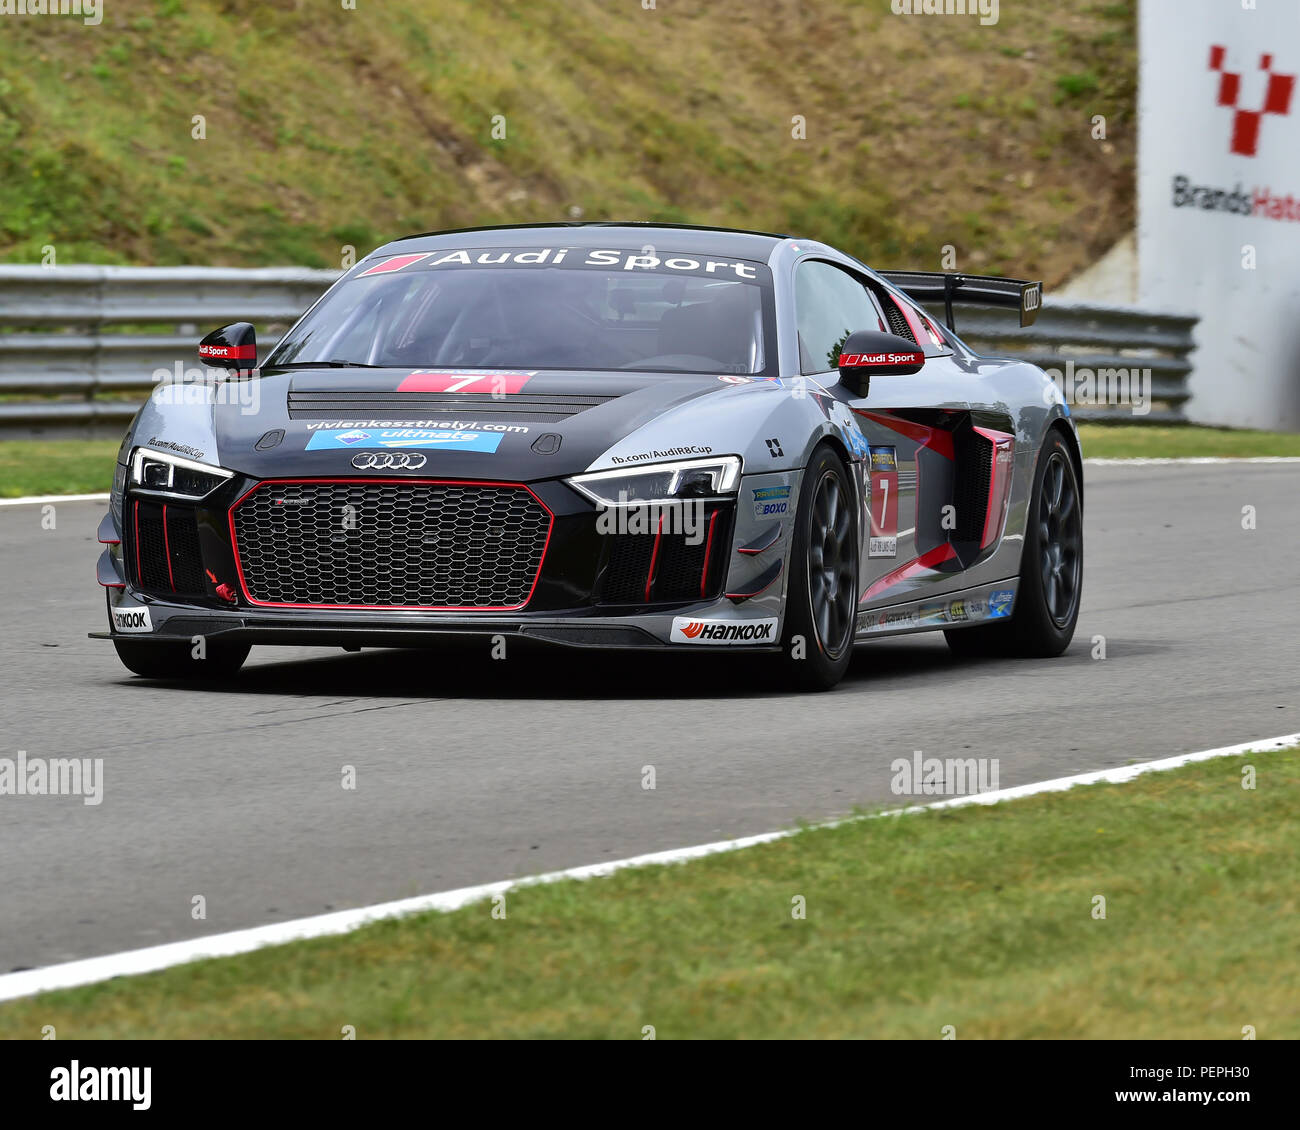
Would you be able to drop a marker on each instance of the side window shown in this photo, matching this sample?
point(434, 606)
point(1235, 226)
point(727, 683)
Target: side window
point(830, 304)
point(907, 319)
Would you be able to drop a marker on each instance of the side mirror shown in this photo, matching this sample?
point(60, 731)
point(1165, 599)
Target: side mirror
point(230, 347)
point(869, 352)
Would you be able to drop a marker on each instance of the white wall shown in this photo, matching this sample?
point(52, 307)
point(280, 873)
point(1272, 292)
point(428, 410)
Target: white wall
point(1247, 366)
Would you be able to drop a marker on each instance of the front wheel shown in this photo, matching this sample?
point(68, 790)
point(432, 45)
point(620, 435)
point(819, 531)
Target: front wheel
point(1051, 568)
point(176, 660)
point(822, 600)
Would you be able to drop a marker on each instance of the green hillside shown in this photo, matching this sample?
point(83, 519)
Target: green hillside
point(327, 126)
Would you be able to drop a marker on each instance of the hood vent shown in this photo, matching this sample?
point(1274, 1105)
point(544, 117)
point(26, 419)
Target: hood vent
point(319, 404)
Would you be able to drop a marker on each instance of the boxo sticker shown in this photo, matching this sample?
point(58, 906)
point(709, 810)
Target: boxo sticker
point(771, 502)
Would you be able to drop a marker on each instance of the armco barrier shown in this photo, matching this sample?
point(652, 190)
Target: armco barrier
point(1118, 347)
point(70, 335)
point(79, 345)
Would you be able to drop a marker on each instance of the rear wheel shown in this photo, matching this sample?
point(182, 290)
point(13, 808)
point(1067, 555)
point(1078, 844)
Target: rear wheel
point(823, 595)
point(1051, 568)
point(176, 660)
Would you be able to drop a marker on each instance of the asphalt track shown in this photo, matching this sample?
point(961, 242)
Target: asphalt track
point(470, 770)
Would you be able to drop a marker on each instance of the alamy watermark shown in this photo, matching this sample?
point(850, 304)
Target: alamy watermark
point(54, 776)
point(935, 776)
point(685, 518)
point(987, 10)
point(90, 11)
point(1088, 387)
point(194, 385)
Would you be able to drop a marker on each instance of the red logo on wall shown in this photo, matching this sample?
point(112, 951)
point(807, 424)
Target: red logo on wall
point(1246, 123)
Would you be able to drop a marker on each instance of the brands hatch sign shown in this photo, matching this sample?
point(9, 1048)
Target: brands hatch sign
point(1218, 232)
point(1246, 123)
point(1261, 202)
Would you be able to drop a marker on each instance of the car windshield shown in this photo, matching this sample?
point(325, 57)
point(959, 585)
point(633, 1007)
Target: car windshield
point(544, 309)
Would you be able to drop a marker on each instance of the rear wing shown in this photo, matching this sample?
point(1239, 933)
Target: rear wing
point(982, 290)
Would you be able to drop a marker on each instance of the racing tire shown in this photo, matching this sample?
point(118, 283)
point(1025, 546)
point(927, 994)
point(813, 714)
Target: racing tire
point(822, 600)
point(176, 660)
point(1051, 568)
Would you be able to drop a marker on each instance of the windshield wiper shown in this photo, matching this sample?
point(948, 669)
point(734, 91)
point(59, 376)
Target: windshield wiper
point(335, 364)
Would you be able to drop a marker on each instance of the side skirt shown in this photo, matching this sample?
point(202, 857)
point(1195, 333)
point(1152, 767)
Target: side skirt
point(983, 604)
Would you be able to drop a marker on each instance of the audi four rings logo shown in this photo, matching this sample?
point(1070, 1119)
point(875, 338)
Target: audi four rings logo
point(388, 461)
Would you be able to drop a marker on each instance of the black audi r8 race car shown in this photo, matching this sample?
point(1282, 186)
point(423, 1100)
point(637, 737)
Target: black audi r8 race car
point(602, 436)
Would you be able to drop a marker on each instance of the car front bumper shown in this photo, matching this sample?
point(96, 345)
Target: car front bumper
point(566, 608)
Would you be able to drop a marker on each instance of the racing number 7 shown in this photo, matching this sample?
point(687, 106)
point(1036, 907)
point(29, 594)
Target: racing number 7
point(497, 383)
point(884, 503)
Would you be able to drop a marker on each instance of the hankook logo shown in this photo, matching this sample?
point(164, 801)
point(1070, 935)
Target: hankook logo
point(686, 630)
point(388, 461)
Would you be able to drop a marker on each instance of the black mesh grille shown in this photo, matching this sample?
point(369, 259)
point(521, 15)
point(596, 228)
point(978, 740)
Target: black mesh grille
point(626, 569)
point(678, 569)
point(151, 545)
point(971, 489)
point(407, 544)
point(897, 323)
point(150, 549)
point(187, 560)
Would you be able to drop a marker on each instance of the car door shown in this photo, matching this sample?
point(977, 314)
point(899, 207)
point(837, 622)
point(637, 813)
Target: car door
point(923, 510)
point(983, 442)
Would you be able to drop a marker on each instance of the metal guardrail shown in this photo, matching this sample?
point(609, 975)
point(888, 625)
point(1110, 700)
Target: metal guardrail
point(84, 342)
point(73, 335)
point(1072, 340)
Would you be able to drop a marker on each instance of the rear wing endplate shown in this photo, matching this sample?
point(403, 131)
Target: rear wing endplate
point(981, 290)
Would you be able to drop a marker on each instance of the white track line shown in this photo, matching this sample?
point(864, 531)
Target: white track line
point(34, 498)
point(93, 969)
point(1191, 461)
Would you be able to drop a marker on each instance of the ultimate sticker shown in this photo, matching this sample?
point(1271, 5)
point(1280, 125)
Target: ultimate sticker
point(407, 437)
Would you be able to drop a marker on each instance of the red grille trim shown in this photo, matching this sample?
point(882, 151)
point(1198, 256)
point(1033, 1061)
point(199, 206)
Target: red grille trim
point(541, 561)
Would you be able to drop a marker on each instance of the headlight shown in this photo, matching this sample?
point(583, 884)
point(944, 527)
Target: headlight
point(161, 473)
point(662, 482)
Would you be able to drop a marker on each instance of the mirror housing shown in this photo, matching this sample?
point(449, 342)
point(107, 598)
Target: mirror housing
point(870, 352)
point(230, 347)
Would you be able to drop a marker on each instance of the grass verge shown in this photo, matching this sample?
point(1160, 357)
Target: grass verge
point(195, 131)
point(980, 918)
point(59, 466)
point(1138, 441)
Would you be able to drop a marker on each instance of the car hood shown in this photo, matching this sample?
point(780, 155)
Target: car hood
point(479, 424)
